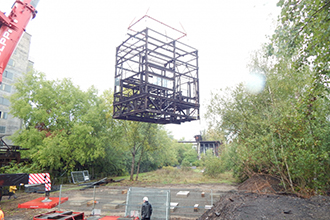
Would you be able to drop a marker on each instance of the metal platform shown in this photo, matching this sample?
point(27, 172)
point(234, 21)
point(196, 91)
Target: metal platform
point(38, 204)
point(68, 215)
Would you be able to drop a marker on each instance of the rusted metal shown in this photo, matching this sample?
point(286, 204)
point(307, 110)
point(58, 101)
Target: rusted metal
point(203, 146)
point(10, 153)
point(156, 80)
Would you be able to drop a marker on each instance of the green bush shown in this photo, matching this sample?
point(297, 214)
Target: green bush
point(168, 169)
point(213, 166)
point(190, 155)
point(197, 163)
point(185, 165)
point(13, 167)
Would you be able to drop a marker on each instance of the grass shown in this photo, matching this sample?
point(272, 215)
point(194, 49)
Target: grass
point(170, 175)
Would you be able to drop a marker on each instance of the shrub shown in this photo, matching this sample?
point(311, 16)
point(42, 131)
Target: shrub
point(213, 167)
point(168, 170)
point(185, 165)
point(197, 163)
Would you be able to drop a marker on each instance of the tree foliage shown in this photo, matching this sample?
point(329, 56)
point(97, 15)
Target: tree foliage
point(303, 35)
point(63, 125)
point(165, 151)
point(67, 129)
point(281, 131)
point(213, 166)
point(284, 129)
point(113, 162)
point(149, 145)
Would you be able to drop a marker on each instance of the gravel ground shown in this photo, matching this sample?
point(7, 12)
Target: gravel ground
point(251, 200)
point(109, 200)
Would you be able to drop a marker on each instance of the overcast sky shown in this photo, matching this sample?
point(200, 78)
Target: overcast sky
point(77, 39)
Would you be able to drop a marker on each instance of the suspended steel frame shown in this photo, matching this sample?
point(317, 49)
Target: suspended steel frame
point(156, 80)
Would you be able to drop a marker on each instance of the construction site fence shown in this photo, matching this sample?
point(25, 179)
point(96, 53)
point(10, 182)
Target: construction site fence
point(127, 201)
point(67, 178)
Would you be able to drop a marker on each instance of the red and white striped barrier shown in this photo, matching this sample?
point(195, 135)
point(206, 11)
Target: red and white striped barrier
point(41, 178)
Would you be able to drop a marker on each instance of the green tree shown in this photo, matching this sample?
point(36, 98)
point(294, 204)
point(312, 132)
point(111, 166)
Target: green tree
point(181, 148)
point(149, 143)
point(164, 153)
point(190, 155)
point(185, 165)
point(213, 166)
point(63, 126)
point(303, 34)
point(113, 161)
point(282, 130)
point(137, 138)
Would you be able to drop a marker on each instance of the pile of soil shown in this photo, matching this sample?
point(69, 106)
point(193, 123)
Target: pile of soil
point(262, 184)
point(260, 206)
point(261, 197)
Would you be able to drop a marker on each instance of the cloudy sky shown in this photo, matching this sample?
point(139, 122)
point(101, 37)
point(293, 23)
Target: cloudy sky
point(77, 39)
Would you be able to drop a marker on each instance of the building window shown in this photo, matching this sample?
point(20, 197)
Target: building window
point(8, 74)
point(4, 101)
point(5, 87)
point(11, 62)
point(2, 129)
point(3, 115)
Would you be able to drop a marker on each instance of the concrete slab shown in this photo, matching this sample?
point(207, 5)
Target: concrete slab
point(208, 206)
point(114, 192)
point(183, 194)
point(173, 206)
point(77, 202)
point(196, 207)
point(115, 204)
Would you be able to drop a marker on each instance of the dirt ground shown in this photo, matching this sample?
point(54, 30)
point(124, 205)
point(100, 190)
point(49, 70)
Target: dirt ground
point(257, 198)
point(261, 197)
point(12, 212)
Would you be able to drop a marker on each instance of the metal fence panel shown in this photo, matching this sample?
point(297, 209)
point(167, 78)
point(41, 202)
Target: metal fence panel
point(80, 176)
point(109, 200)
point(159, 199)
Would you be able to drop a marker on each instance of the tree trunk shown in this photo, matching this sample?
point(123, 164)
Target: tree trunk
point(133, 162)
point(138, 167)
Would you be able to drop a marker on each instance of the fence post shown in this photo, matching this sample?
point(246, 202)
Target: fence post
point(211, 197)
point(59, 200)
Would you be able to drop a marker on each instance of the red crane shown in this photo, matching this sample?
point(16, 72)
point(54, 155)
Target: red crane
point(12, 28)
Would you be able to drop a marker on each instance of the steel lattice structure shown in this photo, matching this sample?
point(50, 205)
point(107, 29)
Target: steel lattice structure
point(156, 80)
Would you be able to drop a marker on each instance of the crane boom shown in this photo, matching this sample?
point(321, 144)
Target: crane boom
point(12, 28)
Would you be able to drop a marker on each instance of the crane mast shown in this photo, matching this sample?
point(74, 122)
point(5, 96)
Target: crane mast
point(12, 28)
